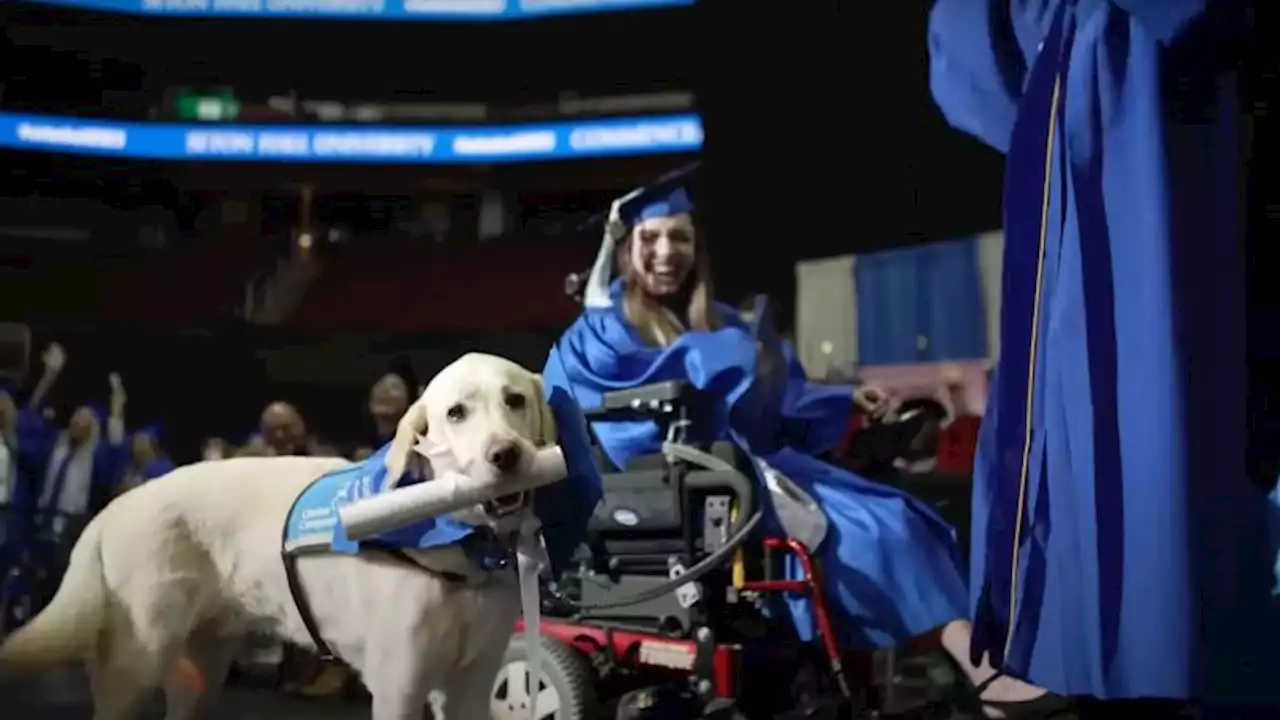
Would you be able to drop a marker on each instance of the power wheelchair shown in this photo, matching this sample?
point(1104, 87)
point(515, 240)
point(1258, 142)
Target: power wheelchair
point(721, 646)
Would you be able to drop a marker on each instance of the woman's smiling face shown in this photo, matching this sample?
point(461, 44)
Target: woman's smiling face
point(662, 253)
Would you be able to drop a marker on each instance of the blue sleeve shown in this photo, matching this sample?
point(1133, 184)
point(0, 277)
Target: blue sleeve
point(108, 471)
point(159, 466)
point(978, 52)
point(976, 67)
point(820, 412)
point(1167, 19)
point(36, 438)
point(565, 508)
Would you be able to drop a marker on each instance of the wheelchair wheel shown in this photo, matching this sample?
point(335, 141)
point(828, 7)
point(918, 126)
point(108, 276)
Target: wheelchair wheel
point(566, 690)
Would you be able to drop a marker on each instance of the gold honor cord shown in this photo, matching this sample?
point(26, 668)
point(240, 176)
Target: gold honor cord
point(1031, 366)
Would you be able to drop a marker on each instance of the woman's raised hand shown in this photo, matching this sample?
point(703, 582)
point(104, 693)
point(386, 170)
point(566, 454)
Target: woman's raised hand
point(875, 402)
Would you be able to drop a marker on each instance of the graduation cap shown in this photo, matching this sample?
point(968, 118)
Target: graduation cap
point(151, 430)
point(667, 196)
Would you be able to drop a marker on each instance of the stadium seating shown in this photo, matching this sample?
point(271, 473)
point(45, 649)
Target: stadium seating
point(205, 284)
point(464, 288)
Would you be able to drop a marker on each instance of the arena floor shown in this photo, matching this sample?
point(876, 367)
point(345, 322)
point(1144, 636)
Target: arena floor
point(65, 697)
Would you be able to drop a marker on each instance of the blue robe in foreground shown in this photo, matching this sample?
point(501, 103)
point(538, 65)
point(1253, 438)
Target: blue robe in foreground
point(1119, 549)
point(889, 563)
point(564, 508)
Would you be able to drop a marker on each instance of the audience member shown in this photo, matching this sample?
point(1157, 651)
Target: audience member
point(8, 449)
point(83, 465)
point(147, 459)
point(283, 430)
point(215, 449)
point(24, 436)
point(389, 398)
point(8, 476)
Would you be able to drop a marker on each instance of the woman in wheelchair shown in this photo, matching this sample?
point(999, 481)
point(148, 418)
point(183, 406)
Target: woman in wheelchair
point(891, 566)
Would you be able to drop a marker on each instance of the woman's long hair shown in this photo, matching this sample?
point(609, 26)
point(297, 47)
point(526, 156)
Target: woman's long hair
point(657, 323)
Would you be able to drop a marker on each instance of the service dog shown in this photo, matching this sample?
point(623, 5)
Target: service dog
point(178, 571)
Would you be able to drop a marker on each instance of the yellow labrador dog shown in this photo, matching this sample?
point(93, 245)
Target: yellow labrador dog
point(177, 572)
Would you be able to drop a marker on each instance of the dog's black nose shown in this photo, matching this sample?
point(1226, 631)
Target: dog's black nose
point(505, 456)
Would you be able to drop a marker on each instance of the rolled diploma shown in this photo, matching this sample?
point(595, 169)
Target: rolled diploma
point(450, 492)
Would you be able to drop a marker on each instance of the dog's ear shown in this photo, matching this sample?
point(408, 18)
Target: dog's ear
point(411, 427)
point(547, 435)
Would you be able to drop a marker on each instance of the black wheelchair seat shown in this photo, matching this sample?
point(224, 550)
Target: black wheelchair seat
point(660, 514)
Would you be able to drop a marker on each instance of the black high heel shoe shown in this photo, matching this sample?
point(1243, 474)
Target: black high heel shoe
point(1048, 705)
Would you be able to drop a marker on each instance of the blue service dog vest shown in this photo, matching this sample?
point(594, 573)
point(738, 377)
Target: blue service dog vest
point(314, 523)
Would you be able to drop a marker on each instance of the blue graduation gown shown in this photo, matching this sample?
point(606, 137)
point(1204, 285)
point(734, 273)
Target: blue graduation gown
point(1119, 549)
point(35, 438)
point(890, 565)
point(108, 466)
point(158, 466)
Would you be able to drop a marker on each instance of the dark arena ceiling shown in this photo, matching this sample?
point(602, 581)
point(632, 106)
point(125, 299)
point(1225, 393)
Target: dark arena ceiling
point(821, 135)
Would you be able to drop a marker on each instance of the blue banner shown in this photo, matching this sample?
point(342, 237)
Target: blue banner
point(369, 9)
point(648, 135)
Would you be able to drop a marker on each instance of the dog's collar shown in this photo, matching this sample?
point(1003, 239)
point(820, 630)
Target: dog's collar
point(453, 573)
point(466, 573)
point(472, 576)
point(484, 553)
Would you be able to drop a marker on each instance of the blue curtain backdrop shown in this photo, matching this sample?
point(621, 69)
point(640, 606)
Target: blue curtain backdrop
point(889, 306)
point(921, 304)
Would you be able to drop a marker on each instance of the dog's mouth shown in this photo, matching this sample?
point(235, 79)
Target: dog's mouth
point(507, 505)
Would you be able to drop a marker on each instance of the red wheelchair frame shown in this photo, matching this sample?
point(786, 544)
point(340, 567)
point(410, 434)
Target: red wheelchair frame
point(591, 639)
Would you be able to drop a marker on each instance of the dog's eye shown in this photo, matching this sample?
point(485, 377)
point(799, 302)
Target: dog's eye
point(515, 401)
point(457, 413)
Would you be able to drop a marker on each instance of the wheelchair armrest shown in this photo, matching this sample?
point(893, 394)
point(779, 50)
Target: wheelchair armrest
point(716, 473)
point(646, 396)
point(647, 401)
